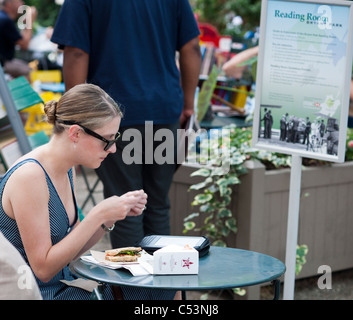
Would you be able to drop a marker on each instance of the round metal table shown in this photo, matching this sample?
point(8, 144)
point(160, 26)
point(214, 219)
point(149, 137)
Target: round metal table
point(221, 268)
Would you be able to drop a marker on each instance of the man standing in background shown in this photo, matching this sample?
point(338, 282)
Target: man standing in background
point(10, 36)
point(128, 48)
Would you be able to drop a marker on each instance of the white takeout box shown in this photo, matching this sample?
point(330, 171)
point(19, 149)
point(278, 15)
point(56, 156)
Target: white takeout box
point(174, 259)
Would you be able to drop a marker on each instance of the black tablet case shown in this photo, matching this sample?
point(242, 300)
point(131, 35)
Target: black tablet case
point(203, 249)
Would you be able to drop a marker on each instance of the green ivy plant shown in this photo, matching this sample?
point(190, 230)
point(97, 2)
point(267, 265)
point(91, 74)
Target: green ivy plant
point(215, 191)
point(302, 251)
point(214, 197)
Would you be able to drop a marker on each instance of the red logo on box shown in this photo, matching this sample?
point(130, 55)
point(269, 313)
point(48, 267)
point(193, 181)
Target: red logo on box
point(187, 263)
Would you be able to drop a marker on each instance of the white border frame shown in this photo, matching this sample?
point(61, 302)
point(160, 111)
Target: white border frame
point(345, 99)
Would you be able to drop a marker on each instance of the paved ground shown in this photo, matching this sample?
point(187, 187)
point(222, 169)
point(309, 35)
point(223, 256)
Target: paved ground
point(305, 289)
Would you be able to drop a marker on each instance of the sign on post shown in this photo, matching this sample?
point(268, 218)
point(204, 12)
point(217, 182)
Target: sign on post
point(302, 92)
point(303, 78)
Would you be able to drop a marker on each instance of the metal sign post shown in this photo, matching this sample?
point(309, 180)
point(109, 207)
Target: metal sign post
point(292, 227)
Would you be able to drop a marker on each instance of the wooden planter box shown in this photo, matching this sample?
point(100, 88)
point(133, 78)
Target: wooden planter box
point(260, 206)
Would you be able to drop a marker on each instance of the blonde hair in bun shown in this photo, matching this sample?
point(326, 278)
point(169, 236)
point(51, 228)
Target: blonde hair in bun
point(50, 111)
point(86, 104)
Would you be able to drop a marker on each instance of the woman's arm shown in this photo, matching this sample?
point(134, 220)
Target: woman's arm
point(29, 204)
point(232, 69)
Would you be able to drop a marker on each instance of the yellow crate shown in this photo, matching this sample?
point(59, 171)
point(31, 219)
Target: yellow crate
point(49, 95)
point(36, 120)
point(52, 76)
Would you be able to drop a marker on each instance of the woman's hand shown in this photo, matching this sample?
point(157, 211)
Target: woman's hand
point(109, 211)
point(140, 204)
point(129, 204)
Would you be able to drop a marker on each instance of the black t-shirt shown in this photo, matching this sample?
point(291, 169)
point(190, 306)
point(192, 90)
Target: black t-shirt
point(131, 46)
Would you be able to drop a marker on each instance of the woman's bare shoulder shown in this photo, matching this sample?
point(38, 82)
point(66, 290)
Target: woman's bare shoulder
point(29, 173)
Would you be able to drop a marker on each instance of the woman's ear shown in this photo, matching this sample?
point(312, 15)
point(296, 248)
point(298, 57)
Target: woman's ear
point(74, 133)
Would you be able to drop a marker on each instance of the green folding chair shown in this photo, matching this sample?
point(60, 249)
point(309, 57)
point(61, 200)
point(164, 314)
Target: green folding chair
point(17, 95)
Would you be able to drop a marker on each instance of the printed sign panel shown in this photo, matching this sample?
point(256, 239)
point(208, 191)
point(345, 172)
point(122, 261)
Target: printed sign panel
point(303, 78)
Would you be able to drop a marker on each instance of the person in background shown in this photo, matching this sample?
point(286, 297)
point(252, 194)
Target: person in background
point(322, 130)
point(38, 209)
point(307, 131)
point(10, 36)
point(283, 127)
point(129, 49)
point(333, 140)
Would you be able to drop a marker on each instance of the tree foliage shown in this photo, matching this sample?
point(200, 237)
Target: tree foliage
point(47, 10)
point(220, 12)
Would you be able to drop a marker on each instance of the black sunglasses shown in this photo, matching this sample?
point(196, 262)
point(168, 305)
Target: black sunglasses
point(109, 143)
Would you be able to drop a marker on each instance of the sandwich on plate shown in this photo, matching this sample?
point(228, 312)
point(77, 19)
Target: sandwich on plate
point(128, 254)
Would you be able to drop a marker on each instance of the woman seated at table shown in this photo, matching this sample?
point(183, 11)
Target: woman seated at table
point(38, 211)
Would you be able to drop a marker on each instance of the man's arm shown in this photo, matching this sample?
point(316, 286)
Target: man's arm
point(26, 36)
point(75, 68)
point(190, 64)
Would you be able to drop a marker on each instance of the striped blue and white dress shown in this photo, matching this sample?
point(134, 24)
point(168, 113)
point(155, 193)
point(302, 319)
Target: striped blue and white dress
point(59, 229)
